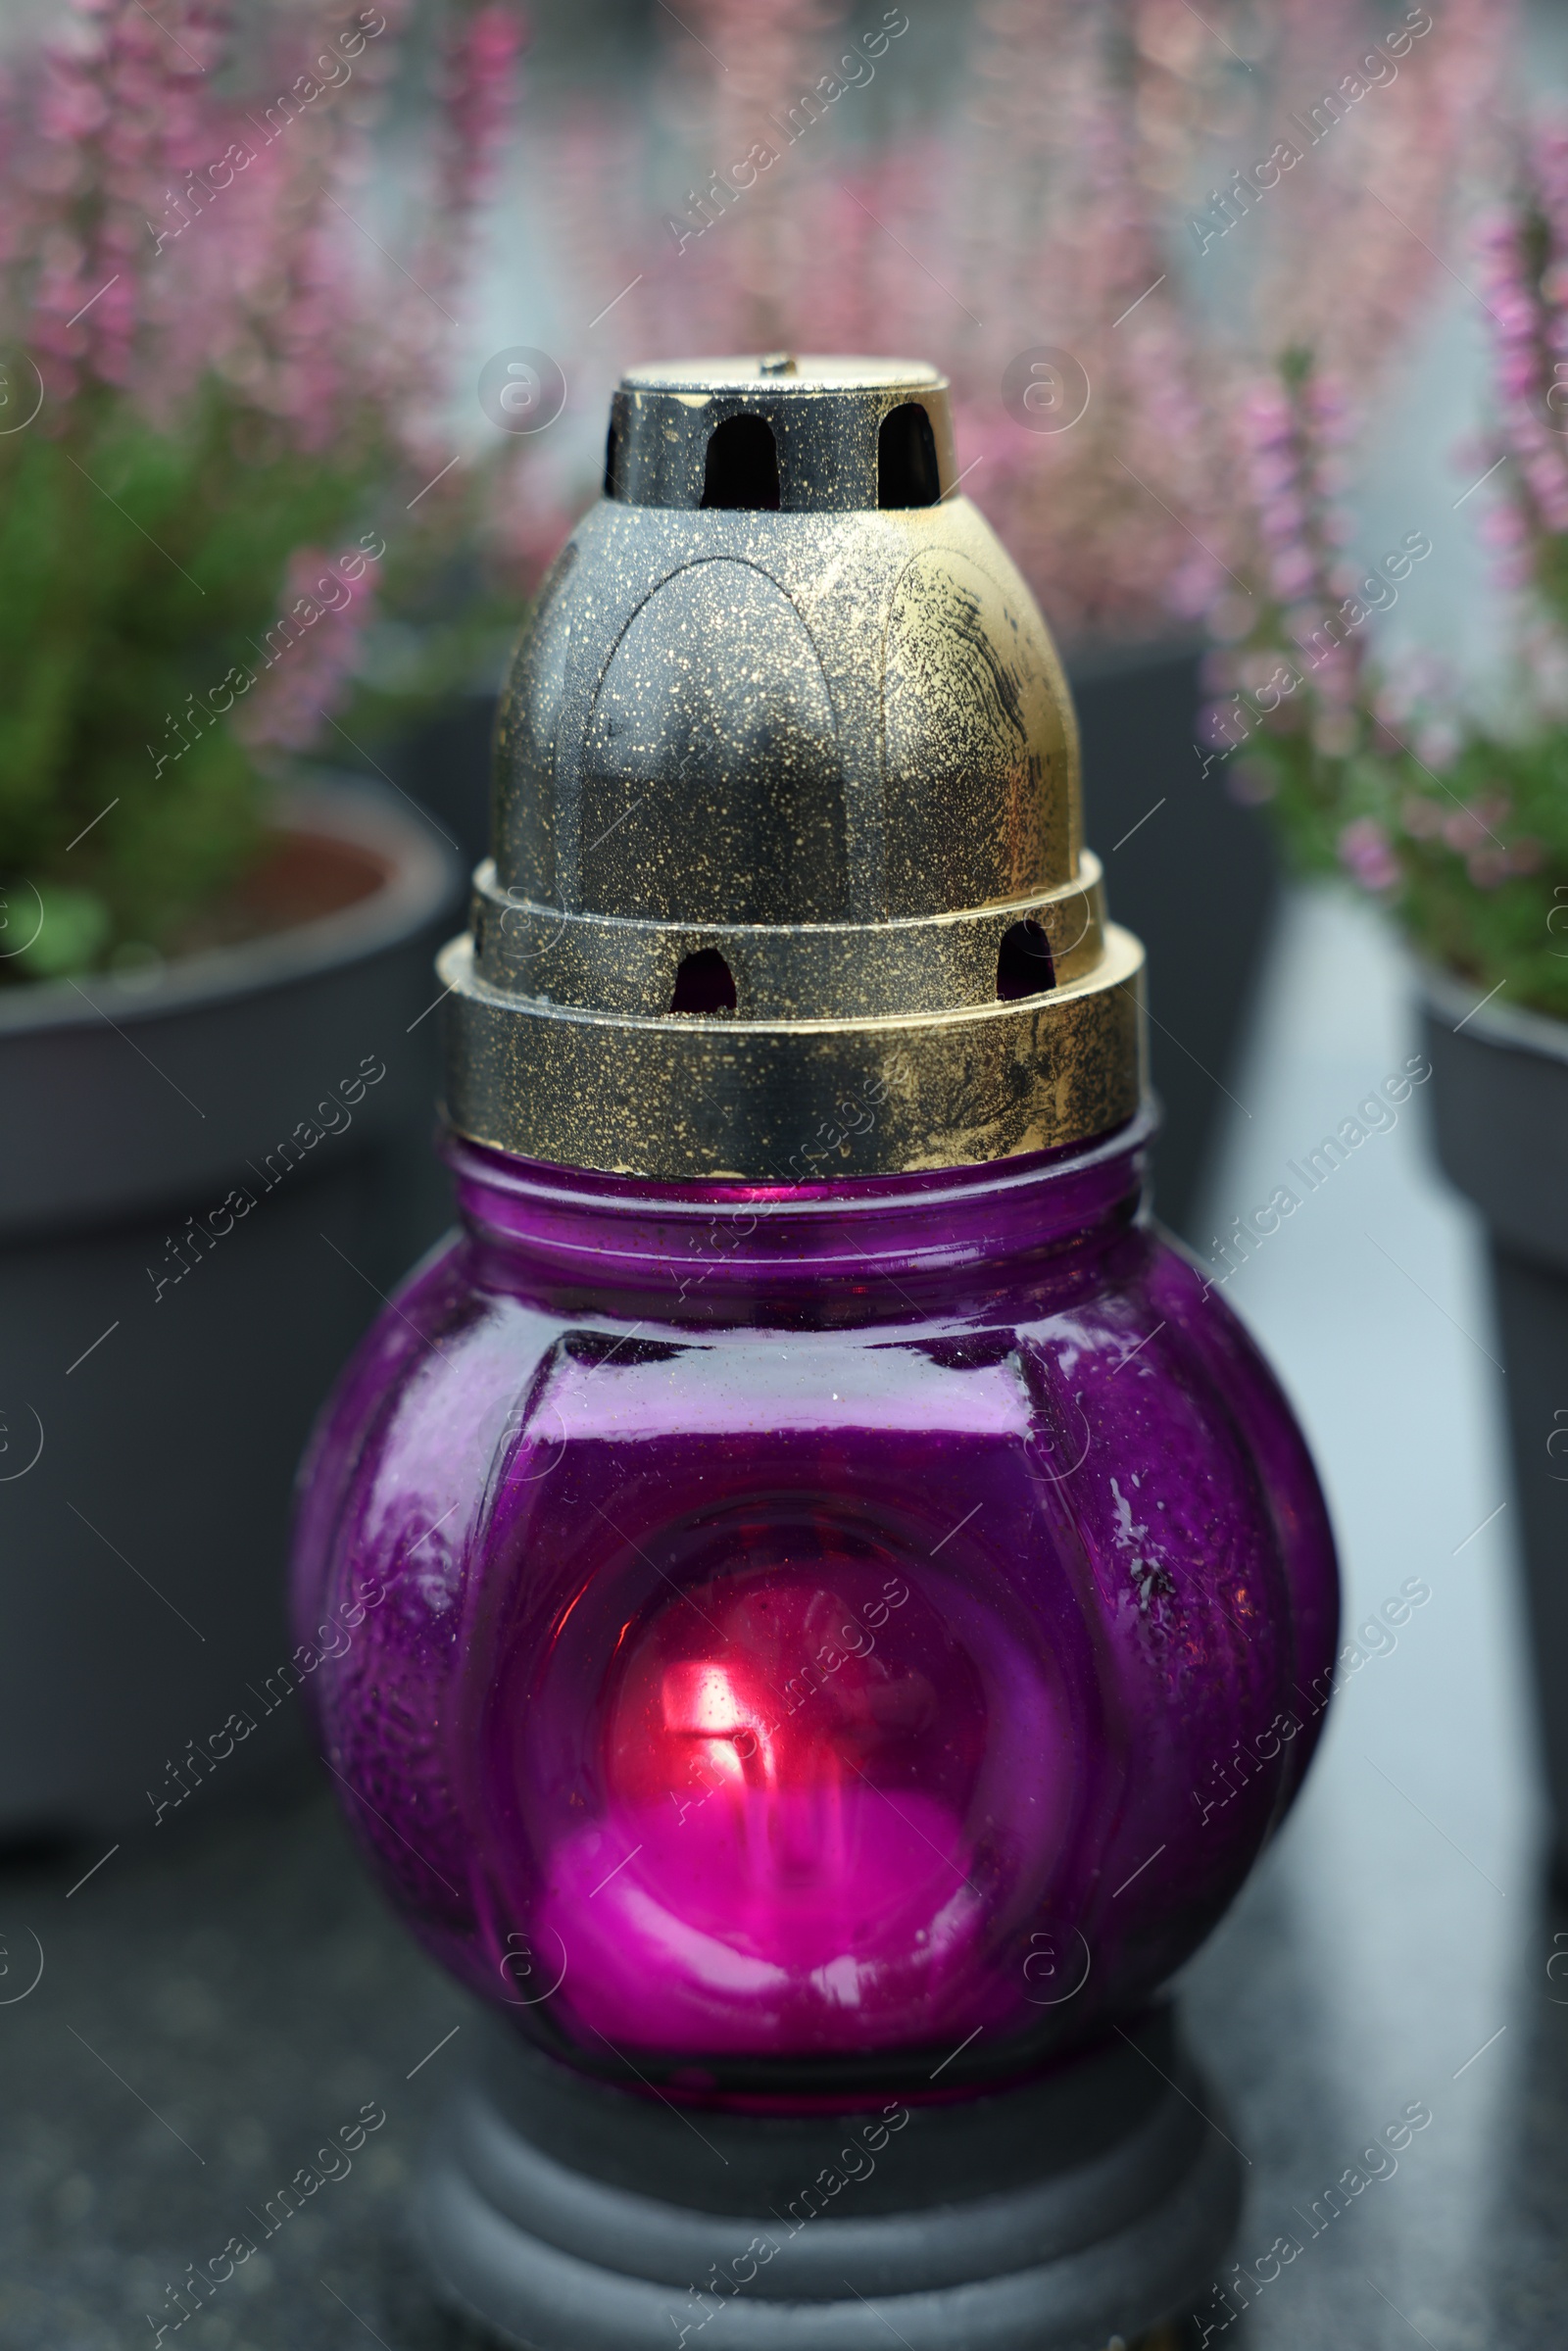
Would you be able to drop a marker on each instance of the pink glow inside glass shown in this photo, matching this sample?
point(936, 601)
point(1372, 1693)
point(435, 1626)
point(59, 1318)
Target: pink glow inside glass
point(794, 1848)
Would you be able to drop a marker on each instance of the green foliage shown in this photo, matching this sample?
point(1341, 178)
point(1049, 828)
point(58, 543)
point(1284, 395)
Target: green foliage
point(136, 568)
point(1493, 925)
point(139, 569)
point(1472, 863)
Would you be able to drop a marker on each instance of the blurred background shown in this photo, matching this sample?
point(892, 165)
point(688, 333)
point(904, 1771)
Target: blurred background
point(1256, 317)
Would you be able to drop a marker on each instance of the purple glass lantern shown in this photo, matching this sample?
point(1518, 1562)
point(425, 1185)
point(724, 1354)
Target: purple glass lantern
point(835, 1600)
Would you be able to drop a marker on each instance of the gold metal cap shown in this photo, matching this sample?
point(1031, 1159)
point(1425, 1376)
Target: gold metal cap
point(787, 879)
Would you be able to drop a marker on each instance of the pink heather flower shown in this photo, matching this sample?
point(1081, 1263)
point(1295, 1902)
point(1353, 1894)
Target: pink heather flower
point(1251, 783)
point(1503, 526)
point(1287, 424)
point(1102, 545)
point(312, 648)
point(1283, 516)
point(1230, 617)
point(1256, 670)
point(121, 107)
point(1190, 590)
point(1273, 466)
point(475, 82)
point(1422, 818)
point(1464, 829)
point(1293, 573)
point(1488, 866)
point(1222, 725)
point(478, 104)
point(1365, 853)
point(1545, 657)
point(1526, 299)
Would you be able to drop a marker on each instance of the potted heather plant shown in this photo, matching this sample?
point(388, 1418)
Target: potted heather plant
point(222, 463)
point(1453, 817)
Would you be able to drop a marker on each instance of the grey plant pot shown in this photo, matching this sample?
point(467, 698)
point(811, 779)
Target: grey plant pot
point(1499, 1102)
point(149, 1433)
point(1196, 875)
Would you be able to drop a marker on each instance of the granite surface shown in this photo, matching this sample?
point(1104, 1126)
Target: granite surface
point(216, 2002)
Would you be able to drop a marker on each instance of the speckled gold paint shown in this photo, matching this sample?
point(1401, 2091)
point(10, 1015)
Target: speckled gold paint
point(834, 743)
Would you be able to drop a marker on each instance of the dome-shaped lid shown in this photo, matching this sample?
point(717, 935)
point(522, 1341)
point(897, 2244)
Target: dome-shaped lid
point(787, 810)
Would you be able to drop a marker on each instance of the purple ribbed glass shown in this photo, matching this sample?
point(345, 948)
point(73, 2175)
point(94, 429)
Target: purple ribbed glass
point(769, 1637)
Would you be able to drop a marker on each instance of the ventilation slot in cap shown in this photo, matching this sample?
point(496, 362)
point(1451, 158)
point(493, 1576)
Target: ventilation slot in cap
point(906, 471)
point(705, 983)
point(1024, 967)
point(742, 469)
